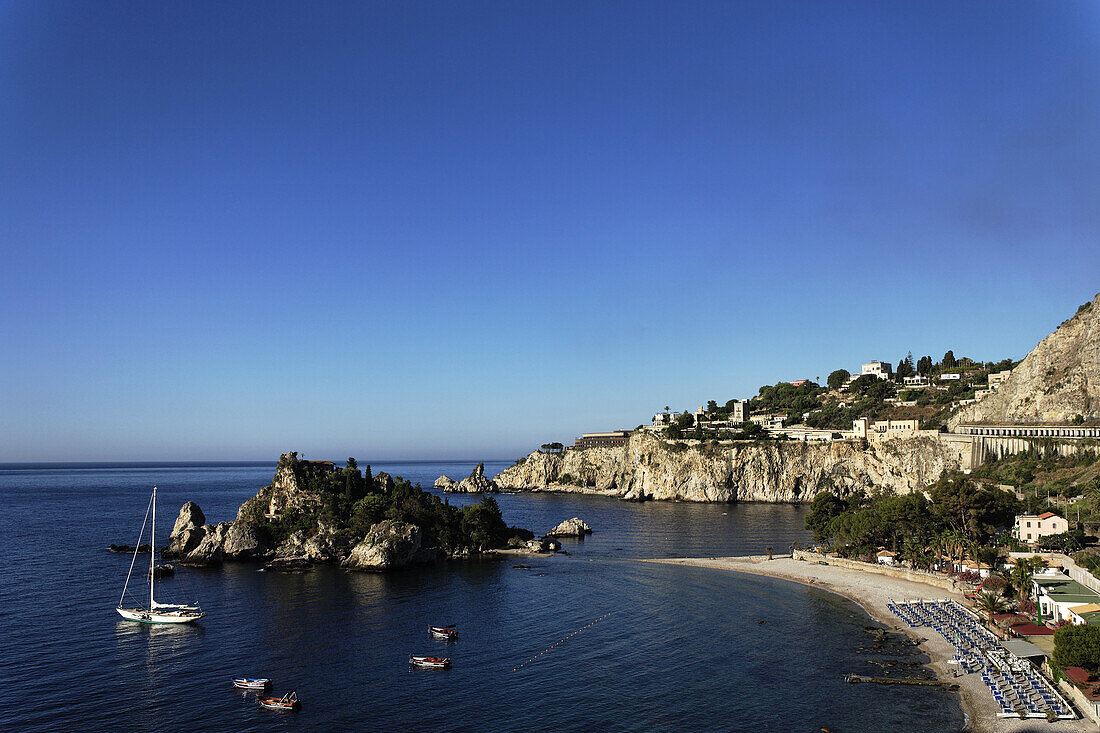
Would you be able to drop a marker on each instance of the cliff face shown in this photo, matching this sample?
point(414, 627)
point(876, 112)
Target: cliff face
point(647, 467)
point(1057, 381)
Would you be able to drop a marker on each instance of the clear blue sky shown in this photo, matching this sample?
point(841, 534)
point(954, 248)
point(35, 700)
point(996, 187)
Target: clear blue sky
point(415, 230)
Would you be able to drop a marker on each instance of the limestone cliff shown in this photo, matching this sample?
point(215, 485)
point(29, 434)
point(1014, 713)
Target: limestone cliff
point(1056, 382)
point(649, 467)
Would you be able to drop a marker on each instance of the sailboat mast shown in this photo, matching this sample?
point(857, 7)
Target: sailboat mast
point(153, 550)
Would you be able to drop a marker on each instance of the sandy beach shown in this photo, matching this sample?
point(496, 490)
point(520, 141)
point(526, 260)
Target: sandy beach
point(873, 592)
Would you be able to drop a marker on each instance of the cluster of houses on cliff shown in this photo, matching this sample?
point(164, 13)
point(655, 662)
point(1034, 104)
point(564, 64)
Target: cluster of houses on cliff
point(738, 412)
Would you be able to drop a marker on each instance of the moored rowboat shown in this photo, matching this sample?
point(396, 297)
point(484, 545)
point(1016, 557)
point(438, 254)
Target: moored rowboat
point(288, 701)
point(252, 683)
point(430, 662)
point(444, 632)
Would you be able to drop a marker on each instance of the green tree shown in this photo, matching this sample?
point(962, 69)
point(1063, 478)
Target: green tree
point(353, 483)
point(991, 603)
point(483, 524)
point(948, 360)
point(825, 507)
point(905, 367)
point(837, 379)
point(1077, 646)
point(924, 366)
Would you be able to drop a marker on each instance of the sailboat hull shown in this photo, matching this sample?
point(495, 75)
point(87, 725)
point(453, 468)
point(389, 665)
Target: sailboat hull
point(142, 616)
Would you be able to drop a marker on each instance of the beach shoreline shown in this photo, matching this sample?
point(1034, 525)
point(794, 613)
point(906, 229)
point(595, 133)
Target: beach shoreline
point(872, 592)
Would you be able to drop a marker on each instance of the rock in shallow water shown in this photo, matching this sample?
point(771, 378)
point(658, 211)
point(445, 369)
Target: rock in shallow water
point(141, 549)
point(574, 527)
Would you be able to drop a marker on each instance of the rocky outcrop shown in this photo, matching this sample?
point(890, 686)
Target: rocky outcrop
point(648, 466)
point(1058, 382)
point(190, 517)
point(475, 483)
point(383, 482)
point(542, 545)
point(141, 549)
point(324, 545)
point(291, 486)
point(574, 527)
point(243, 541)
point(388, 545)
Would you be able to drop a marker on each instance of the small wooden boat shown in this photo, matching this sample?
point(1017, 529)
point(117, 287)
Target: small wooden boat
point(252, 683)
point(444, 632)
point(430, 662)
point(288, 701)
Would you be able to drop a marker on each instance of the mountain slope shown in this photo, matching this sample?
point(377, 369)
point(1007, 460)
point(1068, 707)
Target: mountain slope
point(1056, 382)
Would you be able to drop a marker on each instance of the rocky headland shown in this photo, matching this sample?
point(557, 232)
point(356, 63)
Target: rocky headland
point(1057, 382)
point(650, 467)
point(313, 512)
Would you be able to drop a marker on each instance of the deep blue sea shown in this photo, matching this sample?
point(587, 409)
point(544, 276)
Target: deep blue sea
point(676, 648)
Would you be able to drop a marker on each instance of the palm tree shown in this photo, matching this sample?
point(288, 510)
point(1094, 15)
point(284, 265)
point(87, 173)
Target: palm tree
point(991, 603)
point(1020, 577)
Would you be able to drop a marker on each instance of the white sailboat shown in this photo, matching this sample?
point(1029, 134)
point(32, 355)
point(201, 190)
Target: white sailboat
point(156, 613)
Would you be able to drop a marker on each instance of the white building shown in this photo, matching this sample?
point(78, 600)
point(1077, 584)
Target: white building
point(1030, 528)
point(916, 381)
point(950, 377)
point(806, 434)
point(880, 369)
point(866, 428)
point(664, 419)
point(1057, 594)
point(995, 380)
point(768, 422)
point(885, 557)
point(739, 413)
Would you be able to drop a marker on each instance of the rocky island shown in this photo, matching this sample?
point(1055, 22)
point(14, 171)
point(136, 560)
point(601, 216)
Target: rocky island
point(313, 512)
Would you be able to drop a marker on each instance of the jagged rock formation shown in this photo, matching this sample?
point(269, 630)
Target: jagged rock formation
point(324, 545)
point(389, 544)
point(1057, 382)
point(475, 483)
point(192, 541)
point(649, 467)
point(574, 527)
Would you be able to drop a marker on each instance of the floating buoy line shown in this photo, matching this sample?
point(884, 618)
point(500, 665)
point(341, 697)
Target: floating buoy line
point(561, 641)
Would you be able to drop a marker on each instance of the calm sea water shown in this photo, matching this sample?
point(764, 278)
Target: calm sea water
point(675, 648)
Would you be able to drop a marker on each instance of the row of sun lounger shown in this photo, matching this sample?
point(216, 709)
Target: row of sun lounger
point(1015, 685)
